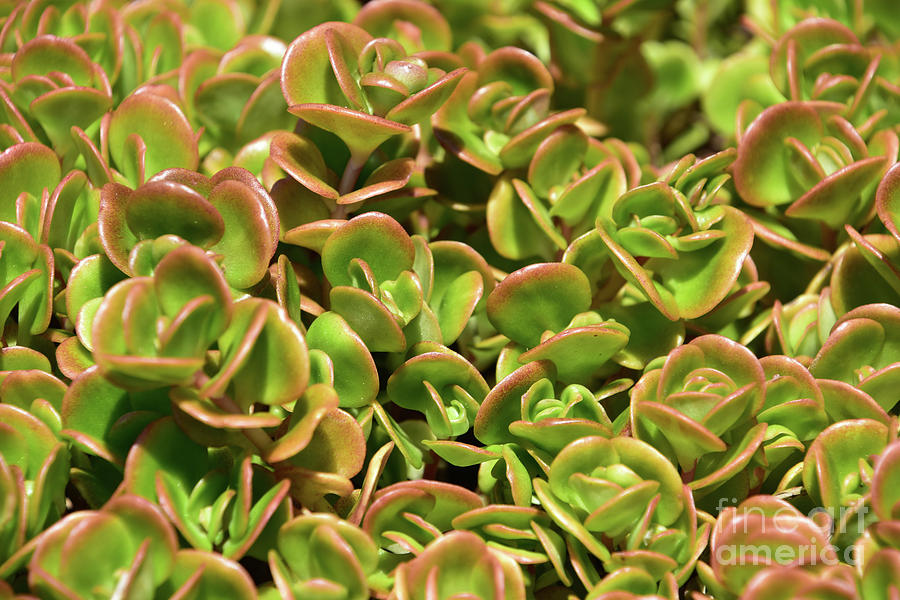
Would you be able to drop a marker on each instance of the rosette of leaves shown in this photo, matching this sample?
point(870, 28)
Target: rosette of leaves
point(795, 412)
point(807, 155)
point(500, 112)
point(571, 181)
point(523, 426)
point(229, 214)
point(860, 350)
point(821, 59)
point(865, 271)
point(524, 422)
point(27, 281)
point(322, 449)
point(217, 500)
point(137, 146)
point(126, 548)
point(525, 534)
point(837, 473)
point(154, 330)
point(56, 86)
point(405, 517)
point(34, 468)
point(368, 261)
point(800, 327)
point(394, 290)
point(440, 384)
point(674, 242)
point(365, 91)
point(547, 420)
point(56, 211)
point(699, 406)
point(761, 532)
point(545, 311)
point(625, 504)
point(236, 96)
point(319, 556)
point(458, 565)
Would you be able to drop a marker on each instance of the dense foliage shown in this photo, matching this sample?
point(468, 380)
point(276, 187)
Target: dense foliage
point(450, 300)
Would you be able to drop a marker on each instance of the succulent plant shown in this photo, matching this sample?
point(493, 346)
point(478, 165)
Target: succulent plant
point(321, 556)
point(700, 408)
point(57, 84)
point(623, 490)
point(572, 180)
point(404, 517)
point(33, 471)
point(532, 299)
point(544, 310)
point(230, 214)
point(795, 412)
point(674, 241)
point(499, 113)
point(871, 370)
point(525, 534)
point(247, 75)
point(137, 149)
point(760, 532)
point(215, 505)
point(836, 581)
point(364, 90)
point(799, 328)
point(201, 317)
point(833, 161)
point(138, 549)
point(459, 564)
point(27, 280)
point(837, 471)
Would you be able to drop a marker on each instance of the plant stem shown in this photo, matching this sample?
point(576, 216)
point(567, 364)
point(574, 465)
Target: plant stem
point(829, 238)
point(348, 181)
point(257, 436)
point(351, 172)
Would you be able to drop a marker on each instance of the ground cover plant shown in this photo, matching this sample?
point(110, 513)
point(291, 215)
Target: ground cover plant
point(449, 300)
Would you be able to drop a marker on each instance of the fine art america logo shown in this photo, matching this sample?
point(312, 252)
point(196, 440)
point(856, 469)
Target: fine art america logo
point(767, 535)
